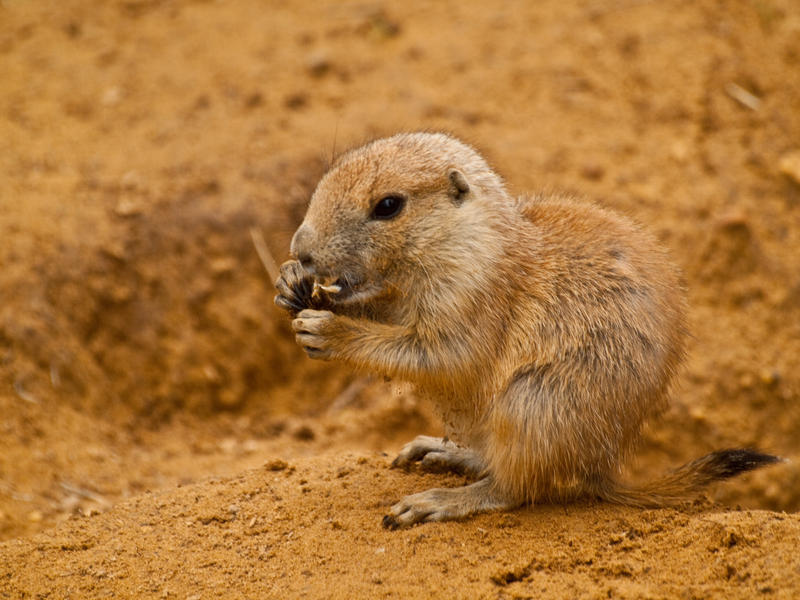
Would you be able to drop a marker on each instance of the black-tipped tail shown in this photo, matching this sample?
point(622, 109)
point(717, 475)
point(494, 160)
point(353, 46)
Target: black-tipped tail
point(724, 464)
point(689, 479)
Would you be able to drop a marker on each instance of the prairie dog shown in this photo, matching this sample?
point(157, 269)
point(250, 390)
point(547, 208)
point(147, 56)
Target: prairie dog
point(545, 329)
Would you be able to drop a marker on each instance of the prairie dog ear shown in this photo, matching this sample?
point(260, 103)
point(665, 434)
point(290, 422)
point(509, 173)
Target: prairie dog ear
point(459, 186)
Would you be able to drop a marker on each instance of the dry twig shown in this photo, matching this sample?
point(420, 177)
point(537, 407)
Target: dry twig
point(743, 97)
point(264, 255)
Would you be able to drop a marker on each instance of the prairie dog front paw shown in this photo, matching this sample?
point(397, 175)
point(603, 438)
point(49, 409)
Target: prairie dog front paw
point(298, 290)
point(314, 331)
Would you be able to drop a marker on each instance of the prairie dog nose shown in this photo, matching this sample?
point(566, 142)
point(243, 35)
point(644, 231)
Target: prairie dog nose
point(300, 247)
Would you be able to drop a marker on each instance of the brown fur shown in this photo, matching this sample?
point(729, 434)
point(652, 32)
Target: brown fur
point(545, 329)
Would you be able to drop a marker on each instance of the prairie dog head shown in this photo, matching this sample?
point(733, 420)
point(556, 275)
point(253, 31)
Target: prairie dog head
point(387, 213)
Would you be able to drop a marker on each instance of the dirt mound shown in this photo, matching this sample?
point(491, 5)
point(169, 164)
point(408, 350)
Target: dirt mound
point(311, 528)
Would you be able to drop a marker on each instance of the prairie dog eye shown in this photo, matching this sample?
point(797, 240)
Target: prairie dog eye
point(388, 207)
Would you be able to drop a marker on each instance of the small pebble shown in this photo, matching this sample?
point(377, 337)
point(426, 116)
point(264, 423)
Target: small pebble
point(592, 171)
point(789, 165)
point(276, 465)
point(318, 64)
point(35, 516)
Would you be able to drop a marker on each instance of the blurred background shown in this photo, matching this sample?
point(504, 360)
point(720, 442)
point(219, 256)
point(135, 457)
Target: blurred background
point(148, 147)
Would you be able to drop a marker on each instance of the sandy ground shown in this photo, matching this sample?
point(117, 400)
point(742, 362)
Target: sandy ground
point(149, 389)
point(311, 530)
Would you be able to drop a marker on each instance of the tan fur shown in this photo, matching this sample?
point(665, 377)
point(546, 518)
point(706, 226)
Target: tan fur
point(545, 329)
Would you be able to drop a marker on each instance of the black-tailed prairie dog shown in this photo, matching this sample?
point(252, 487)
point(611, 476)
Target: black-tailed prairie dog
point(545, 329)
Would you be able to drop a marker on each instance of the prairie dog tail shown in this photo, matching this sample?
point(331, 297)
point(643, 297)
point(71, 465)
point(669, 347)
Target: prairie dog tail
point(683, 482)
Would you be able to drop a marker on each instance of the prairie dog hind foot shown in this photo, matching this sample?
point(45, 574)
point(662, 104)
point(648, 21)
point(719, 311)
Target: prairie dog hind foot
point(440, 455)
point(447, 504)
